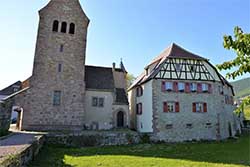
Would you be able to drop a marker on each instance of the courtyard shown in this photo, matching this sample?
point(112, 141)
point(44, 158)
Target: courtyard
point(229, 153)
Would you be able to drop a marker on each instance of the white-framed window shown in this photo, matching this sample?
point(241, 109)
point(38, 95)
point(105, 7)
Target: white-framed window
point(204, 87)
point(193, 87)
point(171, 107)
point(199, 107)
point(169, 86)
point(181, 86)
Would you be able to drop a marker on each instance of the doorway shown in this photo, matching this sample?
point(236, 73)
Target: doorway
point(230, 129)
point(120, 119)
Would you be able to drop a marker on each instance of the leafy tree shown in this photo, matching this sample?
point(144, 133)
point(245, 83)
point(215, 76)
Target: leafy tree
point(240, 44)
point(130, 79)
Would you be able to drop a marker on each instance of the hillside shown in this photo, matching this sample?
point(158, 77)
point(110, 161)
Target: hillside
point(241, 87)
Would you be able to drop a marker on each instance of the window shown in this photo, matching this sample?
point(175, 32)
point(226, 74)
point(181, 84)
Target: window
point(181, 87)
point(55, 26)
point(57, 98)
point(94, 101)
point(101, 102)
point(220, 88)
point(189, 126)
point(139, 109)
point(72, 28)
point(97, 102)
point(200, 107)
point(171, 107)
point(169, 86)
point(193, 87)
point(204, 87)
point(61, 48)
point(169, 126)
point(139, 91)
point(59, 67)
point(64, 27)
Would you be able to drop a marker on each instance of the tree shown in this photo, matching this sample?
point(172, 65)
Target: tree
point(130, 79)
point(240, 44)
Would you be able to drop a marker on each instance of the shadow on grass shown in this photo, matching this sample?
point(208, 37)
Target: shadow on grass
point(228, 152)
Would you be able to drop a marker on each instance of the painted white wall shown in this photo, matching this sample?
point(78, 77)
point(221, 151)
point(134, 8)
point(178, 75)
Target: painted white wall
point(144, 121)
point(2, 96)
point(211, 71)
point(101, 115)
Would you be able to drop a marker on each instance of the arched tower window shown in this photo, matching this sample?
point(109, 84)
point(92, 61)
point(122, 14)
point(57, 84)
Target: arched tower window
point(72, 28)
point(55, 26)
point(64, 27)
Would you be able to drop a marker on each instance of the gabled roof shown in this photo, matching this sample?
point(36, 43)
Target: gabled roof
point(173, 51)
point(10, 89)
point(99, 78)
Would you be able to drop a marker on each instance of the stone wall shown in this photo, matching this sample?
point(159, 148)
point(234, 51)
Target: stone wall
point(5, 116)
point(22, 158)
point(212, 125)
point(94, 138)
point(54, 50)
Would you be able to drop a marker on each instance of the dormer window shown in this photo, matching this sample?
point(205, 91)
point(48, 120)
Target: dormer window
point(72, 28)
point(64, 27)
point(55, 26)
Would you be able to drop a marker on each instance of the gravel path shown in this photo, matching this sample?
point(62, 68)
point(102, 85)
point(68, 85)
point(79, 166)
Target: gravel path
point(16, 143)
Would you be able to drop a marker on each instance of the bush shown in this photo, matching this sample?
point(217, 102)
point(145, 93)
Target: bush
point(3, 132)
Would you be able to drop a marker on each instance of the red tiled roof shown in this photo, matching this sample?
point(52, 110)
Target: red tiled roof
point(175, 51)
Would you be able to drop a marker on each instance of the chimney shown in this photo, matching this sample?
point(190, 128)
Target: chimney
point(113, 66)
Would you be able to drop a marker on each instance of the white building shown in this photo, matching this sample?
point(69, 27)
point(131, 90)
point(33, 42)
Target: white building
point(181, 96)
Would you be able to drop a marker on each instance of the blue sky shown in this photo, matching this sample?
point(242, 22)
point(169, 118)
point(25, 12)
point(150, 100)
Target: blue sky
point(134, 30)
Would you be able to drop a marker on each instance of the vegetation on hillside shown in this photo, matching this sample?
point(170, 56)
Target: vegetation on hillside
point(231, 153)
point(241, 87)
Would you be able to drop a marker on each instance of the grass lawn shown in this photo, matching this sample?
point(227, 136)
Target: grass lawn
point(247, 112)
point(215, 154)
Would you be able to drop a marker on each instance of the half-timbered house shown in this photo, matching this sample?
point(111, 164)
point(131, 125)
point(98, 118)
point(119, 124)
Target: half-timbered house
point(181, 96)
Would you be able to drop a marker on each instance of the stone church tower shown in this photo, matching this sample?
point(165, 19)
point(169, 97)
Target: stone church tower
point(55, 99)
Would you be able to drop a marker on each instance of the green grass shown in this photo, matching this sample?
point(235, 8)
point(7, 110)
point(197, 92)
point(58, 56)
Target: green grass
point(230, 153)
point(247, 112)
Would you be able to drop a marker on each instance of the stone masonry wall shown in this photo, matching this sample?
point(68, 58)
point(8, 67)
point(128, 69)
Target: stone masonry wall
point(52, 49)
point(94, 138)
point(212, 125)
point(5, 116)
